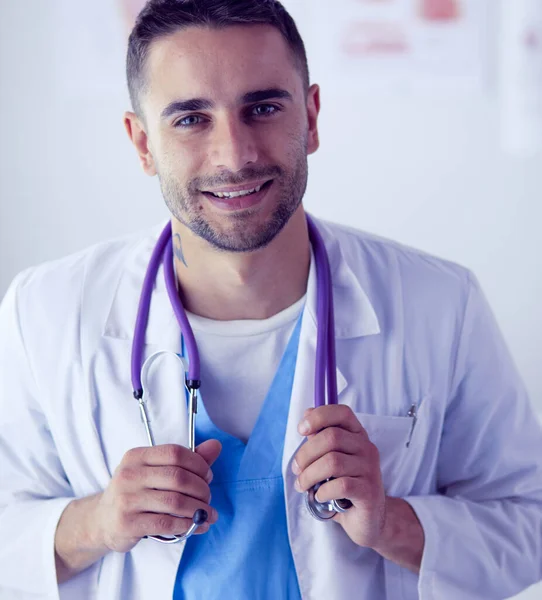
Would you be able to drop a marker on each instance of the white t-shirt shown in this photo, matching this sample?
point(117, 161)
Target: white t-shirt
point(238, 361)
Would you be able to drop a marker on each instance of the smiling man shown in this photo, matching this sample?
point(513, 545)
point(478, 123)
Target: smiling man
point(433, 441)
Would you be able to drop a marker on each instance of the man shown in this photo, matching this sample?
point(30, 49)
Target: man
point(433, 440)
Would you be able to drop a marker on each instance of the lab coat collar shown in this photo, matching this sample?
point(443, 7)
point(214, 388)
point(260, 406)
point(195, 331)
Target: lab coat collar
point(354, 314)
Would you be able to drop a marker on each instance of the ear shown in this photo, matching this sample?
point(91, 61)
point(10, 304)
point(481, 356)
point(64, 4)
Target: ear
point(137, 134)
point(313, 110)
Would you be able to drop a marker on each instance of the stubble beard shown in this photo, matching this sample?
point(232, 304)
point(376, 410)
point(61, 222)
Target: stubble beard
point(185, 202)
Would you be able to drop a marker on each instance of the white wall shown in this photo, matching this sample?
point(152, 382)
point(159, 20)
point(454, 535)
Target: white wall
point(425, 169)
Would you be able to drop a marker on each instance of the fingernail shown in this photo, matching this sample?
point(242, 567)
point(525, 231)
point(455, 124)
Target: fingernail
point(209, 476)
point(304, 427)
point(297, 486)
point(295, 467)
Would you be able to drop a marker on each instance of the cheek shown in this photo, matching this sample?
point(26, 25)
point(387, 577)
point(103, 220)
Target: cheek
point(180, 161)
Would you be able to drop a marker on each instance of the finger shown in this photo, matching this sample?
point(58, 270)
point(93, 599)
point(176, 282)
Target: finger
point(148, 524)
point(331, 439)
point(175, 479)
point(170, 503)
point(209, 450)
point(331, 415)
point(169, 455)
point(333, 464)
point(337, 489)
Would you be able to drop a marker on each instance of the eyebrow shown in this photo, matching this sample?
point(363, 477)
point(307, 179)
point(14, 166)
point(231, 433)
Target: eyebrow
point(261, 95)
point(194, 104)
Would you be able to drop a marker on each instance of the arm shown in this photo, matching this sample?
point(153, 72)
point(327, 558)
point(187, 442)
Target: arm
point(481, 535)
point(77, 540)
point(154, 491)
point(34, 489)
point(52, 536)
point(483, 531)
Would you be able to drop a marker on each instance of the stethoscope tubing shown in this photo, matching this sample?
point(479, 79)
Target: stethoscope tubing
point(325, 377)
point(325, 355)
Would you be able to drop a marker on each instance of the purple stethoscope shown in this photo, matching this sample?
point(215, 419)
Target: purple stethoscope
point(325, 371)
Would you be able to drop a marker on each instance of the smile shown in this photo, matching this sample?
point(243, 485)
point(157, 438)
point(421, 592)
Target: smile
point(237, 193)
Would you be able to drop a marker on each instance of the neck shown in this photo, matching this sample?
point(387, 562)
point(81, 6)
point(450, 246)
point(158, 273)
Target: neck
point(228, 286)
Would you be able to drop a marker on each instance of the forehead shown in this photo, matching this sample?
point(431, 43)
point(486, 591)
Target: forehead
point(220, 64)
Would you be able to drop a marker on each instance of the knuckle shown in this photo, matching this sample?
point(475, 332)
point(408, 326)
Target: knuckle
point(126, 474)
point(170, 473)
point(173, 501)
point(126, 522)
point(345, 487)
point(180, 477)
point(132, 456)
point(334, 462)
point(198, 465)
point(332, 437)
point(174, 453)
point(202, 491)
point(346, 411)
point(164, 523)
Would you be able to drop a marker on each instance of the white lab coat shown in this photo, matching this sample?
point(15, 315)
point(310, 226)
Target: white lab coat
point(410, 329)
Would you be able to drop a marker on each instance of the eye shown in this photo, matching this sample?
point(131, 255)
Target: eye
point(188, 121)
point(265, 110)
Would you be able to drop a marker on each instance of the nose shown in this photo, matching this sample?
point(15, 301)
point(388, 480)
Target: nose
point(233, 145)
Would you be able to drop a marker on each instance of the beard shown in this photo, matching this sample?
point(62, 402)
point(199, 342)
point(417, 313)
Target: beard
point(240, 231)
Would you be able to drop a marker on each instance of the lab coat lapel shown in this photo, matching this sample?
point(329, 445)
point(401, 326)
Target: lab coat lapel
point(314, 542)
point(162, 329)
point(303, 388)
point(349, 299)
point(164, 389)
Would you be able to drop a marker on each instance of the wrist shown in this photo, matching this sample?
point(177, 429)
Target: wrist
point(78, 539)
point(94, 535)
point(387, 531)
point(402, 539)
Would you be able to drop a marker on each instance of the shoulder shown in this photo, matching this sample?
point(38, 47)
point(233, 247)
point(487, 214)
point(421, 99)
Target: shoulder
point(385, 267)
point(55, 290)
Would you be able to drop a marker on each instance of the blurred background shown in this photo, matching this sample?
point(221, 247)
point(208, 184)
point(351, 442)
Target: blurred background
point(431, 134)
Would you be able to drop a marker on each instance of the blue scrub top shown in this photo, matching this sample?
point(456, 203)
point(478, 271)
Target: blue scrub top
point(246, 554)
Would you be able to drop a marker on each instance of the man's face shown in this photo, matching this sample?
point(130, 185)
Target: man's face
point(226, 112)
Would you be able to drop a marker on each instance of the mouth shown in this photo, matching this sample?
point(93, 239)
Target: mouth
point(239, 197)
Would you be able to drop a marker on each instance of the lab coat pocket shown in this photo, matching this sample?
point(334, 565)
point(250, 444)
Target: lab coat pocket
point(391, 435)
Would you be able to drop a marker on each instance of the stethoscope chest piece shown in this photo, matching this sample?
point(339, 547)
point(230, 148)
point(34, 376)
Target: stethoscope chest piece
point(323, 511)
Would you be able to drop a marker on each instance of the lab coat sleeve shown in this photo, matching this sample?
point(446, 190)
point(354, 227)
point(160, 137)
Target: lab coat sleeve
point(33, 487)
point(483, 531)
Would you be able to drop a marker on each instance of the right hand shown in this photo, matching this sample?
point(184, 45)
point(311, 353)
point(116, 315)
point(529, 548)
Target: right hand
point(156, 491)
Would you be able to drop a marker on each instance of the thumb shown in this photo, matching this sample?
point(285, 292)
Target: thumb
point(209, 450)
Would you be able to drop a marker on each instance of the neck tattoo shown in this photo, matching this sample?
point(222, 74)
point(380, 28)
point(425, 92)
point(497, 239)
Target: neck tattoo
point(178, 249)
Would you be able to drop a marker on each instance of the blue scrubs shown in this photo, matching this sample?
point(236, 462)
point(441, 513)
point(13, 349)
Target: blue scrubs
point(246, 554)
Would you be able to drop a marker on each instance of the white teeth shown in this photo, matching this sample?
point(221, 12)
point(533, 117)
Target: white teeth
point(236, 194)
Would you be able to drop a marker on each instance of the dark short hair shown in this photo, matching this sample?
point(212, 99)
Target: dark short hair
point(160, 18)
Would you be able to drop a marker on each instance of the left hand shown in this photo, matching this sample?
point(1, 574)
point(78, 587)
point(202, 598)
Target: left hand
point(338, 446)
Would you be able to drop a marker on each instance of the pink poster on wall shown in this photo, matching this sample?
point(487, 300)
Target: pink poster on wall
point(440, 10)
point(406, 42)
